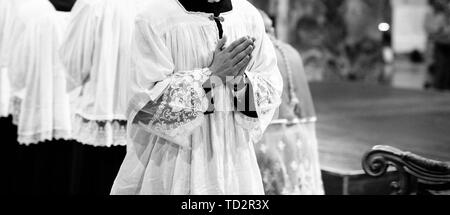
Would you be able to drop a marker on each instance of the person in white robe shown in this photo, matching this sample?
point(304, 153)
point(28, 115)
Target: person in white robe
point(288, 153)
point(96, 53)
point(178, 143)
point(37, 76)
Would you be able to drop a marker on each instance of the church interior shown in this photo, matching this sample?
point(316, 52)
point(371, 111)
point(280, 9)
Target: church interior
point(387, 95)
point(378, 72)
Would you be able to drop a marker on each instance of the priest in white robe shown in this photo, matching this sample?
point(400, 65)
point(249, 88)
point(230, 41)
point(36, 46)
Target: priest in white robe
point(187, 133)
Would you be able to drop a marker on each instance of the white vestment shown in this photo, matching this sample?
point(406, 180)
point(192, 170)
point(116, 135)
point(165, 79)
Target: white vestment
point(96, 53)
point(181, 150)
point(6, 14)
point(37, 76)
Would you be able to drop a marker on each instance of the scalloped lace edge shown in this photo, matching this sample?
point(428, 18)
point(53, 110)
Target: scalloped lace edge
point(43, 137)
point(89, 133)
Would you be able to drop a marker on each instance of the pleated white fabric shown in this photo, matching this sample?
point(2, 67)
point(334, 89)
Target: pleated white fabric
point(96, 53)
point(6, 14)
point(5, 93)
point(36, 73)
point(180, 150)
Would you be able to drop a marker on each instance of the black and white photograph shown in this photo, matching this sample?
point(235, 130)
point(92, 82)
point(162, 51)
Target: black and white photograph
point(244, 99)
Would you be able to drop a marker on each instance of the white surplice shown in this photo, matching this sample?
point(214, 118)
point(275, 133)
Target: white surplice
point(6, 14)
point(96, 53)
point(181, 150)
point(37, 76)
point(5, 93)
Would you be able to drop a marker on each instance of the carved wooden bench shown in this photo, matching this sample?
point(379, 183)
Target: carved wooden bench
point(417, 175)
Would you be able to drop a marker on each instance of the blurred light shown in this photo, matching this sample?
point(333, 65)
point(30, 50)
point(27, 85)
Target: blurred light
point(384, 27)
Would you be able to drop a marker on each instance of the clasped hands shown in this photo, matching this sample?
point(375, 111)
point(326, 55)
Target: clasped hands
point(229, 63)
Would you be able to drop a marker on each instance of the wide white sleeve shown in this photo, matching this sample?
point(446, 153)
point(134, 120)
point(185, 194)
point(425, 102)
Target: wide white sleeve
point(163, 102)
point(266, 82)
point(20, 55)
point(77, 50)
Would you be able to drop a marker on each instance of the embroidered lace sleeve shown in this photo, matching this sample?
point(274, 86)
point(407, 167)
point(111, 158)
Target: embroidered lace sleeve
point(267, 85)
point(163, 101)
point(180, 108)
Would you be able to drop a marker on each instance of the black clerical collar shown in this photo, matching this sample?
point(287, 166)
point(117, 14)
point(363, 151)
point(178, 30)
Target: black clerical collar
point(206, 7)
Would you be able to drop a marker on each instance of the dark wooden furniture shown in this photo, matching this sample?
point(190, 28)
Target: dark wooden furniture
point(418, 175)
point(353, 118)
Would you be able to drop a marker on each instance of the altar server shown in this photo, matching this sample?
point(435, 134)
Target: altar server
point(97, 54)
point(36, 73)
point(188, 53)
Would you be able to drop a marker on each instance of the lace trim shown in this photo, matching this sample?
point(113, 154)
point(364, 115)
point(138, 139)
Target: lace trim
point(181, 107)
point(276, 180)
point(295, 121)
point(251, 124)
point(43, 137)
point(288, 163)
point(265, 94)
point(99, 133)
point(179, 136)
point(267, 100)
point(38, 137)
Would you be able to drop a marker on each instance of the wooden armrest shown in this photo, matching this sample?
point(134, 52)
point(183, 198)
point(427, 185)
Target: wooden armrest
point(413, 169)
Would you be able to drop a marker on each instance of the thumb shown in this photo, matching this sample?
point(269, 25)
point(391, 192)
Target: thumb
point(221, 44)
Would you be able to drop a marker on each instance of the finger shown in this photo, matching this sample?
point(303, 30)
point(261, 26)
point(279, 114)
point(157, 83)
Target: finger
point(244, 68)
point(242, 47)
point(235, 44)
point(241, 55)
point(220, 45)
point(242, 65)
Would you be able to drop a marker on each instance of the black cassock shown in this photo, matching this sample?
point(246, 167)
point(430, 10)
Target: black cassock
point(55, 167)
point(63, 5)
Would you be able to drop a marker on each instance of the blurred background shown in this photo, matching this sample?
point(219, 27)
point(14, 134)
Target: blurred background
point(379, 73)
point(389, 42)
